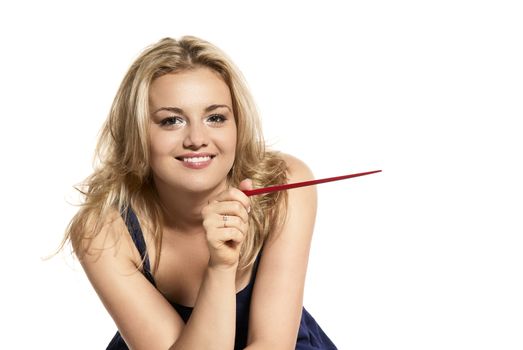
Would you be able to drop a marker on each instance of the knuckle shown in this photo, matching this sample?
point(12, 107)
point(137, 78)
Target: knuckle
point(205, 210)
point(238, 233)
point(210, 238)
point(230, 192)
point(240, 236)
point(235, 232)
point(238, 206)
point(226, 235)
point(231, 233)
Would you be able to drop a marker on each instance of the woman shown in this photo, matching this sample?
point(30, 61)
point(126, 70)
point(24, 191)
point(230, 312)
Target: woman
point(178, 254)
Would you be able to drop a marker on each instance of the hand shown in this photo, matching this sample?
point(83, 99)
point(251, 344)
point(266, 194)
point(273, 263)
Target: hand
point(226, 222)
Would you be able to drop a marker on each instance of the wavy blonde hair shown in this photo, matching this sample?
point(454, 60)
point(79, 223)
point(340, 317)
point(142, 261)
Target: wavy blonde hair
point(122, 176)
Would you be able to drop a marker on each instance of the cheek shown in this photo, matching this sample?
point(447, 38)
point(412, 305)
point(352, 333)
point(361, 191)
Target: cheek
point(233, 137)
point(160, 144)
point(229, 142)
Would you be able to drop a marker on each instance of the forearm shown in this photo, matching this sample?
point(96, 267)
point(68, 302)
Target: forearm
point(213, 321)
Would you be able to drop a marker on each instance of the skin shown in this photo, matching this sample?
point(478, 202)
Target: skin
point(199, 257)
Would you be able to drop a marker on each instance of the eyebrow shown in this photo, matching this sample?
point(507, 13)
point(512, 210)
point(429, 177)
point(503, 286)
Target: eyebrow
point(180, 111)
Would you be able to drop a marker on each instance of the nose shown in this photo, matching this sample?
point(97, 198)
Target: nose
point(196, 136)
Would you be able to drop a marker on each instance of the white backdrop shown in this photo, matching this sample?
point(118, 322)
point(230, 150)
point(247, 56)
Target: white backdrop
point(425, 255)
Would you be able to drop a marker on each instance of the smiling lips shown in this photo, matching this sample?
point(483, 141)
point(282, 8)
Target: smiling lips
point(196, 160)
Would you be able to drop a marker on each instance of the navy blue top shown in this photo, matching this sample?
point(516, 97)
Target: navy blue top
point(310, 335)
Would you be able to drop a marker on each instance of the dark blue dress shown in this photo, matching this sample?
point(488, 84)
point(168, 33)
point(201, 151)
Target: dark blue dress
point(310, 335)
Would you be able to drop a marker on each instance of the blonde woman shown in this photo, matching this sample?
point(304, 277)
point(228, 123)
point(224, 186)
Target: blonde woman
point(178, 254)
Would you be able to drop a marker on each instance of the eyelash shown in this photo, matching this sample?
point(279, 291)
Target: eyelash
point(170, 121)
point(222, 118)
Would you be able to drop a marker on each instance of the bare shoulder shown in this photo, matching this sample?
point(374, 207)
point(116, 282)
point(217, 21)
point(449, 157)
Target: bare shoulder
point(297, 170)
point(112, 239)
point(278, 292)
point(301, 202)
point(111, 262)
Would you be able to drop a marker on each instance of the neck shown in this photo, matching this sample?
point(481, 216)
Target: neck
point(182, 209)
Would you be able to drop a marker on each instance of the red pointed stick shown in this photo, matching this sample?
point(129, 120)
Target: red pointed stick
point(304, 183)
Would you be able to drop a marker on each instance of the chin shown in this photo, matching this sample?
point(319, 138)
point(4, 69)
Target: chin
point(197, 186)
point(200, 184)
point(192, 181)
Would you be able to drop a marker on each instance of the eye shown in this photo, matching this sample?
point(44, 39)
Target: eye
point(216, 119)
point(172, 121)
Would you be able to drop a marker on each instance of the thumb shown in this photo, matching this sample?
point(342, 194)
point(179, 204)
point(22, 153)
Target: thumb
point(246, 185)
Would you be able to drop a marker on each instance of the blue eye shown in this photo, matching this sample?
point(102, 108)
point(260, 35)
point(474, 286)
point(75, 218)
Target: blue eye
point(170, 121)
point(216, 119)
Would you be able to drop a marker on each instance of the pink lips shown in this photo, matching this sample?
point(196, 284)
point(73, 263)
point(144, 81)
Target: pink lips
point(196, 160)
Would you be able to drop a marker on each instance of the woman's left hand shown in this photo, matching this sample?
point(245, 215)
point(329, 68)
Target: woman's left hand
point(226, 222)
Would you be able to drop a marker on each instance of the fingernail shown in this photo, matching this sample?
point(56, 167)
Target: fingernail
point(248, 210)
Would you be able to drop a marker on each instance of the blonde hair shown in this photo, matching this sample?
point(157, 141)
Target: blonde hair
point(122, 177)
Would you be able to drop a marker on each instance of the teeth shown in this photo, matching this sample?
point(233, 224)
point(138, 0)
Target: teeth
point(197, 159)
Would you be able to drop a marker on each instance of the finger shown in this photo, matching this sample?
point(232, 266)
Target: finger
point(234, 194)
point(233, 234)
point(246, 185)
point(224, 221)
point(215, 222)
point(231, 208)
point(225, 235)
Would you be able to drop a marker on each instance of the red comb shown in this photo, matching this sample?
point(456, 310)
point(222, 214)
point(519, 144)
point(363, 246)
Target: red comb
point(304, 183)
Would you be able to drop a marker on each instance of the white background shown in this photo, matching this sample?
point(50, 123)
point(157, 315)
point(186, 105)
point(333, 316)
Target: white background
point(425, 255)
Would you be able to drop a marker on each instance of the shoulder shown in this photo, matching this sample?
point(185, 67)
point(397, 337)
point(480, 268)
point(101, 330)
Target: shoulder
point(112, 265)
point(303, 199)
point(277, 297)
point(297, 170)
point(301, 203)
point(104, 235)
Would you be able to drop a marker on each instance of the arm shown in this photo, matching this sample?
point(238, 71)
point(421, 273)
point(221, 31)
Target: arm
point(278, 292)
point(144, 317)
point(212, 324)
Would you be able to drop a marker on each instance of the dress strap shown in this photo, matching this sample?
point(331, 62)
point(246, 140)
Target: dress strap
point(133, 225)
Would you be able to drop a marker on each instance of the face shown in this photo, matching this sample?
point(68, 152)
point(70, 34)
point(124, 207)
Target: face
point(192, 130)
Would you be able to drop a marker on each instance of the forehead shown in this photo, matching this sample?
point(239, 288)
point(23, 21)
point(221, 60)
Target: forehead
point(196, 87)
